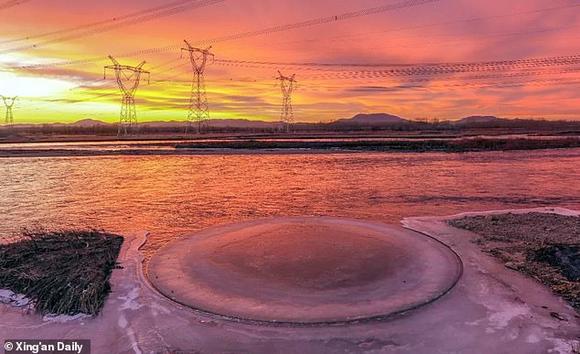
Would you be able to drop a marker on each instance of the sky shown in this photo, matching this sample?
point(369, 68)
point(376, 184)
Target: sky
point(59, 77)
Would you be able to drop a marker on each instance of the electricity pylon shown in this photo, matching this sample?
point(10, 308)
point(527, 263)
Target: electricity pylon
point(132, 74)
point(9, 103)
point(287, 86)
point(198, 107)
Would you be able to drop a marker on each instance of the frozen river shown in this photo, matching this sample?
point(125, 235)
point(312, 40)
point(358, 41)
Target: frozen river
point(171, 195)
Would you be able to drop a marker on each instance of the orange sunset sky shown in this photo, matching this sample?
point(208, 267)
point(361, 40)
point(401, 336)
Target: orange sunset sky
point(58, 73)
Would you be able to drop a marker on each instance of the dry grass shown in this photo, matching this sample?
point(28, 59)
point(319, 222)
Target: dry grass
point(61, 272)
point(543, 246)
point(443, 145)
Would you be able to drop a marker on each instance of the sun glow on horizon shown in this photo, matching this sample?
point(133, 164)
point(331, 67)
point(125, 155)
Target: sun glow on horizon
point(60, 78)
point(28, 86)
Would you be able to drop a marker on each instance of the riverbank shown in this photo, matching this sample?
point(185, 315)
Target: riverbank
point(60, 272)
point(427, 145)
point(491, 308)
point(543, 246)
point(25, 136)
point(288, 146)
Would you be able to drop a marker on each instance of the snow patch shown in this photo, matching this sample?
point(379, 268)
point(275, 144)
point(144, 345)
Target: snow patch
point(130, 300)
point(65, 318)
point(9, 297)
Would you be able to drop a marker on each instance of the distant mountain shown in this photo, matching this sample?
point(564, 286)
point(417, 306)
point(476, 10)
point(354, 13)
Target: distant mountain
point(372, 119)
point(357, 122)
point(88, 123)
point(479, 120)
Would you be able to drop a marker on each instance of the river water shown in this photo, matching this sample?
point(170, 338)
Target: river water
point(173, 195)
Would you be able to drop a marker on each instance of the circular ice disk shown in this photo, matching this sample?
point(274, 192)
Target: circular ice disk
point(304, 270)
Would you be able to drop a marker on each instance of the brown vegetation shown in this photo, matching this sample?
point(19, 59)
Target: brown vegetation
point(447, 145)
point(63, 272)
point(543, 246)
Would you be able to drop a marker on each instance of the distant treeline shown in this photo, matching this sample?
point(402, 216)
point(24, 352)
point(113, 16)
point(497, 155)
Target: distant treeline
point(508, 124)
point(500, 125)
point(441, 145)
point(256, 145)
point(112, 130)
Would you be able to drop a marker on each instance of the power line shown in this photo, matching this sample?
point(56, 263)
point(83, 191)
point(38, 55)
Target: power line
point(321, 20)
point(470, 78)
point(266, 31)
point(98, 23)
point(507, 84)
point(440, 71)
point(335, 18)
point(441, 40)
point(115, 23)
point(527, 67)
point(302, 24)
point(165, 63)
point(379, 75)
point(437, 24)
point(421, 68)
point(555, 82)
point(89, 85)
point(474, 84)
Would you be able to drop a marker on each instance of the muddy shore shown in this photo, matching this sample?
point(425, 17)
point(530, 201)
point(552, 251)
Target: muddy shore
point(543, 246)
point(299, 147)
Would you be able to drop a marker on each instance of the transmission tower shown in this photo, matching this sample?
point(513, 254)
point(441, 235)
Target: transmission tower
point(287, 86)
point(9, 103)
point(132, 75)
point(198, 108)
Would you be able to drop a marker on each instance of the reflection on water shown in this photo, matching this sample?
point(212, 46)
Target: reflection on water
point(170, 195)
